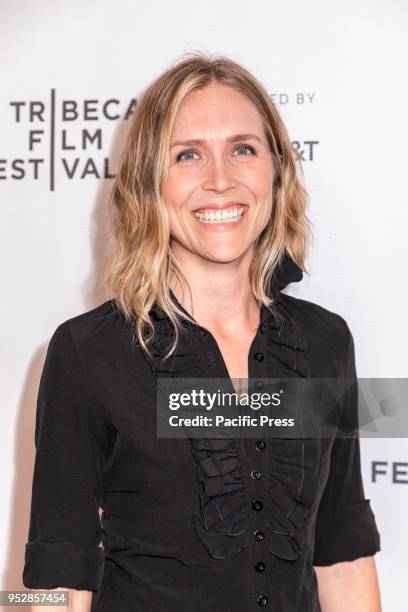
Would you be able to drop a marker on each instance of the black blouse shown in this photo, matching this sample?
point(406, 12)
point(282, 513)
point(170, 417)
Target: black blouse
point(184, 523)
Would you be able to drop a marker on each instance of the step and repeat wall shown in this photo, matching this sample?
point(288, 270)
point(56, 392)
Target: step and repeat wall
point(71, 76)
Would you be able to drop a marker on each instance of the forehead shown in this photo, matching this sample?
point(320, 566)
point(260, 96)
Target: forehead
point(217, 107)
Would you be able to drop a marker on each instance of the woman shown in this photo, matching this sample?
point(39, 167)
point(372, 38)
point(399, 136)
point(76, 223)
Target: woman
point(209, 226)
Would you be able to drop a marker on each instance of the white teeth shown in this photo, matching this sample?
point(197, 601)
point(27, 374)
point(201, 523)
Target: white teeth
point(220, 216)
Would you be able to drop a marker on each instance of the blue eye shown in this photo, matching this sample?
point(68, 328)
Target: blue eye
point(191, 151)
point(180, 155)
point(246, 147)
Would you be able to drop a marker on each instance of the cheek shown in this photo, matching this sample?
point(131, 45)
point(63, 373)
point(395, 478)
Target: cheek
point(261, 181)
point(260, 184)
point(178, 189)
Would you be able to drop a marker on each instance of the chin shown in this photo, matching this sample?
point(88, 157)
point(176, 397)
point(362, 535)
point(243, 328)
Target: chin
point(222, 255)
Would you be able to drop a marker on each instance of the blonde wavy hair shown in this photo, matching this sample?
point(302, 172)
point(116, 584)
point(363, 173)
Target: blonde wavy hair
point(140, 260)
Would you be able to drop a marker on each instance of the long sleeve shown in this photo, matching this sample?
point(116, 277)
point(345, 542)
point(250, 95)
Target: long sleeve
point(71, 439)
point(345, 526)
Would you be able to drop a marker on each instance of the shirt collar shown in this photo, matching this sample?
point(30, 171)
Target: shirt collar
point(287, 272)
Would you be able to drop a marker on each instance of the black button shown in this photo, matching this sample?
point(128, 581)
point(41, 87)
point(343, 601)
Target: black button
point(258, 356)
point(259, 384)
point(260, 445)
point(259, 535)
point(260, 566)
point(262, 601)
point(256, 474)
point(262, 328)
point(256, 505)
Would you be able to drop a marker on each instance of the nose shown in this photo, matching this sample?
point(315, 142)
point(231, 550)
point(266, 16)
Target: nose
point(218, 176)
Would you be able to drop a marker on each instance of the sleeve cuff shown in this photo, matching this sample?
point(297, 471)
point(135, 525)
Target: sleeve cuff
point(345, 535)
point(49, 565)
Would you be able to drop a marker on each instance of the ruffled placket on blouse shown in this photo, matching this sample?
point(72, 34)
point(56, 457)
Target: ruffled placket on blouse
point(222, 520)
point(293, 463)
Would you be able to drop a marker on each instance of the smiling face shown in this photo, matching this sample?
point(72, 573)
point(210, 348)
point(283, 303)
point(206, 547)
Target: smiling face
point(218, 190)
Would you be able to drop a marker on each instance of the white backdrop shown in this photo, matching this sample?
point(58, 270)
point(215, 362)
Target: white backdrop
point(337, 71)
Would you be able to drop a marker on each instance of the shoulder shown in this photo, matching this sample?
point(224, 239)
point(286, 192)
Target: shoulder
point(93, 329)
point(327, 333)
point(311, 315)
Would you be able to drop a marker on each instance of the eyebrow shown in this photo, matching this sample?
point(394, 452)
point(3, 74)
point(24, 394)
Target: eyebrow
point(200, 141)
